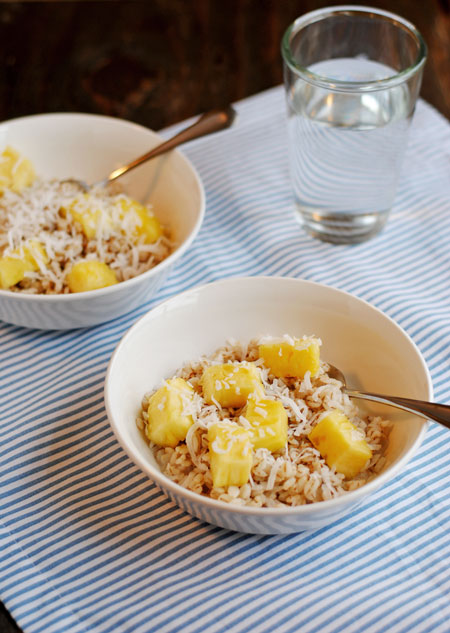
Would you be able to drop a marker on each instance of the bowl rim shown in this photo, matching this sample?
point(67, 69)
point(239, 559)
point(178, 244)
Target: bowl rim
point(352, 496)
point(165, 263)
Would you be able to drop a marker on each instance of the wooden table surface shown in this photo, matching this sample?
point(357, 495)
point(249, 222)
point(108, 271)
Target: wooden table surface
point(157, 62)
point(161, 61)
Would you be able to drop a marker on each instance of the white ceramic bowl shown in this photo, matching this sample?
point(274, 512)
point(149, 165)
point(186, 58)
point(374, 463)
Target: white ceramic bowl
point(89, 147)
point(373, 351)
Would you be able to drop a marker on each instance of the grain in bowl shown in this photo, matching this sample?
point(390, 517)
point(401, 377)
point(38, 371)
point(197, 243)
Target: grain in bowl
point(262, 424)
point(57, 239)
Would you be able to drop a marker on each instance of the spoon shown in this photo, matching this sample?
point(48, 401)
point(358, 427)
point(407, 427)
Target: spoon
point(431, 410)
point(207, 123)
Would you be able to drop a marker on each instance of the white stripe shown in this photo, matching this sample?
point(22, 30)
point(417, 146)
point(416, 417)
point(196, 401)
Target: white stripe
point(84, 527)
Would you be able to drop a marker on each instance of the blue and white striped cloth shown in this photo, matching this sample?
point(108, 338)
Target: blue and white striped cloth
point(89, 545)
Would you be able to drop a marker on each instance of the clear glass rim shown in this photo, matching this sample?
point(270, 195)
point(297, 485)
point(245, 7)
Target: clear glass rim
point(352, 86)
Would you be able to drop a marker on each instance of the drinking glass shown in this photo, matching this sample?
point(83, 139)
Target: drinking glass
point(352, 77)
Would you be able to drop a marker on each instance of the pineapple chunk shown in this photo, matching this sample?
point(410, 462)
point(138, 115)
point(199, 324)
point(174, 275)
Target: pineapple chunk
point(167, 423)
point(82, 209)
point(33, 254)
point(142, 222)
point(16, 172)
point(231, 384)
point(12, 270)
point(269, 423)
point(285, 359)
point(341, 444)
point(90, 275)
point(22, 260)
point(230, 454)
point(125, 215)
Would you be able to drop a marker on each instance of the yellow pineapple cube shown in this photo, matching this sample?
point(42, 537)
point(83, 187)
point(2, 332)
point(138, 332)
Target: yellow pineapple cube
point(26, 258)
point(291, 358)
point(23, 175)
point(168, 422)
point(230, 454)
point(341, 444)
point(33, 254)
point(12, 270)
point(91, 218)
point(142, 224)
point(269, 423)
point(16, 172)
point(90, 275)
point(122, 214)
point(231, 384)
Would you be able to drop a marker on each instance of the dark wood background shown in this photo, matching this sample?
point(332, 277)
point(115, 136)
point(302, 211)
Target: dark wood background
point(157, 62)
point(160, 61)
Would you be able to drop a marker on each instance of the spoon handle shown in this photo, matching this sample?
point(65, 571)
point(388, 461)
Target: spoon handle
point(212, 121)
point(431, 410)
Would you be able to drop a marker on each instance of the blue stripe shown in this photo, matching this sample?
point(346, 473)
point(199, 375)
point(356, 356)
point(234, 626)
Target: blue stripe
point(90, 544)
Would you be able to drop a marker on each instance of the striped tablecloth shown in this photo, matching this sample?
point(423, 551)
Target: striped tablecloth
point(89, 544)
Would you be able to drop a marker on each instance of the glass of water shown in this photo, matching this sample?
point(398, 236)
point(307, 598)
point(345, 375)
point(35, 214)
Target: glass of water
point(352, 77)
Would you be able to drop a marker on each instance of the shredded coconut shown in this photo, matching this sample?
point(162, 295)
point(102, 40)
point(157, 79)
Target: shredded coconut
point(40, 212)
point(294, 475)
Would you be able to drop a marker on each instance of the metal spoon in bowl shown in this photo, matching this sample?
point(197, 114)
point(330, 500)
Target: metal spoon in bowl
point(212, 121)
point(431, 410)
